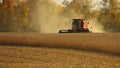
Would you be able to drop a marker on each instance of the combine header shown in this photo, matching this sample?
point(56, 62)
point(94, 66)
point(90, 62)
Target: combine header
point(78, 26)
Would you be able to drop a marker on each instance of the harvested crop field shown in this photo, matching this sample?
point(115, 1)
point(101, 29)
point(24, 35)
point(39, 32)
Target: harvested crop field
point(40, 57)
point(59, 50)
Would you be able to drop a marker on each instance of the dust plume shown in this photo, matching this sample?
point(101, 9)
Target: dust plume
point(44, 16)
point(48, 17)
point(95, 26)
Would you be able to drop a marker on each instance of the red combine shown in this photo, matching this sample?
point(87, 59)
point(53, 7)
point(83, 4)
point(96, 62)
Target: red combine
point(78, 26)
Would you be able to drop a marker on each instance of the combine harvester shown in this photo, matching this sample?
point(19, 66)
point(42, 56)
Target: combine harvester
point(78, 26)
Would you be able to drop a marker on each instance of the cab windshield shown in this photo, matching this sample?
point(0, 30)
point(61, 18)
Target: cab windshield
point(77, 24)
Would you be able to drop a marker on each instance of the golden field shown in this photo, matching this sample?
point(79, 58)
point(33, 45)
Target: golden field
point(40, 57)
point(30, 50)
point(106, 42)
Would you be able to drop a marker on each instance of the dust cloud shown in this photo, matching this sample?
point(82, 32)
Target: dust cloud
point(49, 18)
point(95, 26)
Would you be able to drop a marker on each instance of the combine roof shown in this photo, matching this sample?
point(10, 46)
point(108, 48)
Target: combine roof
point(77, 19)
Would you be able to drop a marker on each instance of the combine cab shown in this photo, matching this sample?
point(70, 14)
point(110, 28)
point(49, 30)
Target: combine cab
point(78, 26)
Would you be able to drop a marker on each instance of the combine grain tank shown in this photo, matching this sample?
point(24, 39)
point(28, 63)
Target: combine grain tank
point(78, 26)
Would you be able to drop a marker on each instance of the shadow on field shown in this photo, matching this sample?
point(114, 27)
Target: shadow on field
point(61, 48)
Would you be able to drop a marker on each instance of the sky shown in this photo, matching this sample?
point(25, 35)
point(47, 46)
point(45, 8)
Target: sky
point(96, 3)
point(60, 1)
